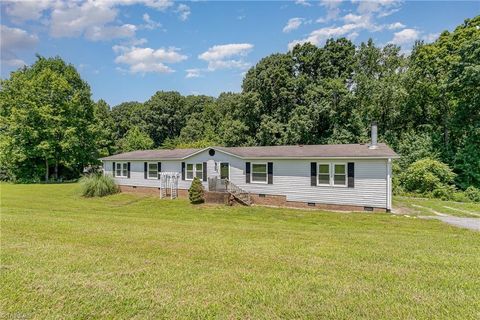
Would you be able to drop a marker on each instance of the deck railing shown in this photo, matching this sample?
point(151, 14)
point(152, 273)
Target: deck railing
point(224, 185)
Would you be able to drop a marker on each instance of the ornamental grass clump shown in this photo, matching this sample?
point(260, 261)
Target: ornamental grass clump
point(196, 192)
point(98, 185)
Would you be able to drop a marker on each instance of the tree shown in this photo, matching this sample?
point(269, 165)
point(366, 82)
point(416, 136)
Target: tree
point(47, 116)
point(128, 115)
point(103, 129)
point(196, 192)
point(135, 139)
point(166, 116)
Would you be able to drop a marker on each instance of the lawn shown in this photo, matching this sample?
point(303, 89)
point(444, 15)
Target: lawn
point(127, 256)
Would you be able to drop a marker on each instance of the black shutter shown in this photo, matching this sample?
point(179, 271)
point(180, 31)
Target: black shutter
point(113, 171)
point(247, 172)
point(204, 166)
point(183, 170)
point(270, 173)
point(351, 174)
point(128, 169)
point(313, 174)
point(159, 168)
point(145, 168)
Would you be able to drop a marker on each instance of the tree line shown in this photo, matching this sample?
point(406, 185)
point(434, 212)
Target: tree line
point(427, 105)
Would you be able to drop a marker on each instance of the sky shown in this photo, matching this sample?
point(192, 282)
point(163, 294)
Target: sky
point(129, 49)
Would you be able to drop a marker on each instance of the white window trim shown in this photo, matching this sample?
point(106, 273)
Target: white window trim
point(266, 173)
point(333, 175)
point(194, 170)
point(121, 169)
point(148, 171)
point(220, 169)
point(329, 174)
point(331, 171)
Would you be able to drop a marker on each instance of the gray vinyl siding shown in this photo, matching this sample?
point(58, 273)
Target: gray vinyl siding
point(291, 178)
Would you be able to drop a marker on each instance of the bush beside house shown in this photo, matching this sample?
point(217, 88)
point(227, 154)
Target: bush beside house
point(196, 194)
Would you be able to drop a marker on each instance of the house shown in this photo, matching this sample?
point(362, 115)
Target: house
point(343, 176)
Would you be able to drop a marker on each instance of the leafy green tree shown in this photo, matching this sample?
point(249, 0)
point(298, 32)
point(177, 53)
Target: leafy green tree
point(128, 115)
point(166, 116)
point(47, 116)
point(135, 139)
point(103, 129)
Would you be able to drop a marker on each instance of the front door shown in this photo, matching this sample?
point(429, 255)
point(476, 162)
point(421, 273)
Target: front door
point(224, 170)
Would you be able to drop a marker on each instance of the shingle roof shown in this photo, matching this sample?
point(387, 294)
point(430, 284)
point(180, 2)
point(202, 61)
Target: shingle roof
point(296, 151)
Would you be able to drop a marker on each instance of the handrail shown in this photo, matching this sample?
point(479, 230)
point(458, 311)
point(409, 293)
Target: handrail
point(238, 192)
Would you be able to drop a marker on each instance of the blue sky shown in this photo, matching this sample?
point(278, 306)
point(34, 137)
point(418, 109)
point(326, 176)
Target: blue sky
point(129, 49)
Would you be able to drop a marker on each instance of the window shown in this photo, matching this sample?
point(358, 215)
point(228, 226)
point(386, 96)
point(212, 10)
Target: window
point(152, 171)
point(199, 170)
point(121, 169)
point(194, 170)
point(189, 171)
point(340, 175)
point(259, 172)
point(332, 174)
point(324, 174)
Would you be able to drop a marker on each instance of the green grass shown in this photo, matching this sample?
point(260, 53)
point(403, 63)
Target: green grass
point(424, 206)
point(125, 256)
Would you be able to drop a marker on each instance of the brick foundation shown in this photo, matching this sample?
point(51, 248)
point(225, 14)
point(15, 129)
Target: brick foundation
point(281, 201)
point(267, 200)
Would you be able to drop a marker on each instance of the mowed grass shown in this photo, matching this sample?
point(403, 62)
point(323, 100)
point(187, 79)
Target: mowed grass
point(126, 256)
point(425, 206)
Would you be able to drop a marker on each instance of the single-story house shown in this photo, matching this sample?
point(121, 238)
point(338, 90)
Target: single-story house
point(341, 176)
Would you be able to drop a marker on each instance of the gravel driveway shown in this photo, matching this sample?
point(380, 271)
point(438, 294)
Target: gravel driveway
point(469, 223)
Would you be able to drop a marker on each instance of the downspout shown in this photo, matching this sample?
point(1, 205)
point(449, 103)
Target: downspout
point(389, 184)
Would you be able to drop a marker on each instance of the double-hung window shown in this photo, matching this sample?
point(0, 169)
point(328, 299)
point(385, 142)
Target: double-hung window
point(323, 174)
point(259, 172)
point(332, 174)
point(194, 170)
point(152, 170)
point(199, 170)
point(121, 169)
point(339, 174)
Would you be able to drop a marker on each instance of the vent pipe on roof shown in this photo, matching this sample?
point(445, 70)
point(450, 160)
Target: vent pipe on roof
point(373, 143)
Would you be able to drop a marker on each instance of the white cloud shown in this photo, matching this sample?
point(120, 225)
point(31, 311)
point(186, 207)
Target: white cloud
point(13, 40)
point(149, 23)
point(333, 10)
point(27, 10)
point(145, 60)
point(184, 11)
point(110, 32)
point(219, 52)
point(396, 25)
point(193, 73)
point(94, 19)
point(379, 7)
point(431, 37)
point(304, 3)
point(405, 37)
point(318, 36)
point(227, 56)
point(293, 24)
point(73, 20)
point(365, 18)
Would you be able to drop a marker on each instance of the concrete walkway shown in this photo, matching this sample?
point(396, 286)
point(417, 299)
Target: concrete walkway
point(468, 223)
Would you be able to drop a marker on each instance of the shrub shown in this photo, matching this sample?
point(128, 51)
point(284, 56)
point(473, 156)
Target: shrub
point(426, 175)
point(445, 193)
point(196, 192)
point(473, 193)
point(98, 185)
